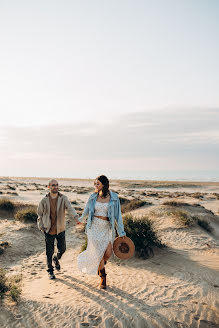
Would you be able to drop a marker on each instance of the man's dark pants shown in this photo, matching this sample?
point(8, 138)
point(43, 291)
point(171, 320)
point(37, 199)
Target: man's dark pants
point(61, 245)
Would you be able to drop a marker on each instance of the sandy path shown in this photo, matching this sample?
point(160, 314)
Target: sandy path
point(172, 289)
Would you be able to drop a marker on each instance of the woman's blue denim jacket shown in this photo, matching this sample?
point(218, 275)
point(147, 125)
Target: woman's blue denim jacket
point(114, 213)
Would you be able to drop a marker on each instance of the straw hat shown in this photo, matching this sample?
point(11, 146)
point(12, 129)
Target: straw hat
point(123, 247)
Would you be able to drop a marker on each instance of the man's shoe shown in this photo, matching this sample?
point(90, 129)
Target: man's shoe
point(56, 262)
point(51, 275)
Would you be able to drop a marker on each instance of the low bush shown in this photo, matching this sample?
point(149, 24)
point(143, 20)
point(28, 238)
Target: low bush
point(142, 234)
point(197, 195)
point(188, 220)
point(15, 279)
point(12, 193)
point(15, 293)
point(10, 187)
point(3, 284)
point(183, 218)
point(123, 200)
point(204, 225)
point(6, 205)
point(128, 205)
point(27, 215)
point(175, 203)
point(10, 285)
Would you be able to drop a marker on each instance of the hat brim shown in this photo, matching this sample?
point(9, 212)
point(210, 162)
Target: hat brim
point(123, 247)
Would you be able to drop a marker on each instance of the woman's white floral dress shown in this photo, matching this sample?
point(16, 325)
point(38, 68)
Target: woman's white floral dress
point(99, 235)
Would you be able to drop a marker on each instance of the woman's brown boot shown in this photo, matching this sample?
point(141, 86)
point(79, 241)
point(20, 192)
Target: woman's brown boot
point(102, 274)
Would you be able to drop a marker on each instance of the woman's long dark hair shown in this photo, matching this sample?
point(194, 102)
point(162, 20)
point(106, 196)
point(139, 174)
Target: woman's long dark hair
point(104, 180)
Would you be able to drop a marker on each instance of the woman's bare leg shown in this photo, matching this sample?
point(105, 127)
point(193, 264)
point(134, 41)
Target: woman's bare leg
point(106, 256)
point(108, 252)
point(101, 265)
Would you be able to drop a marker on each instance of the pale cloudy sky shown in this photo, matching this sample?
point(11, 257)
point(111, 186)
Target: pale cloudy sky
point(126, 88)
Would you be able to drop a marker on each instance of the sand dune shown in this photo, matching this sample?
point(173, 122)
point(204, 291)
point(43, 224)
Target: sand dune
point(177, 287)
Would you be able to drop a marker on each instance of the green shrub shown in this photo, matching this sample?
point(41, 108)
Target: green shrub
point(27, 215)
point(142, 234)
point(12, 193)
point(188, 220)
point(14, 280)
point(3, 280)
point(9, 285)
point(130, 205)
point(123, 200)
point(183, 218)
point(6, 205)
point(197, 195)
point(10, 187)
point(15, 293)
point(175, 203)
point(204, 225)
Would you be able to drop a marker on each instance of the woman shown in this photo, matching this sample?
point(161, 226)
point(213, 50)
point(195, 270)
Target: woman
point(103, 209)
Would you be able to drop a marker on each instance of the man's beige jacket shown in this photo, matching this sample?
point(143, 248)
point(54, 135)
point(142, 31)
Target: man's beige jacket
point(43, 211)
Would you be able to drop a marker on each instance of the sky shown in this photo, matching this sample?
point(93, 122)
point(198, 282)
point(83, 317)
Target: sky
point(125, 88)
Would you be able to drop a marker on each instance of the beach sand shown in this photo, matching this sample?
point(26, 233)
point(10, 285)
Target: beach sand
point(177, 287)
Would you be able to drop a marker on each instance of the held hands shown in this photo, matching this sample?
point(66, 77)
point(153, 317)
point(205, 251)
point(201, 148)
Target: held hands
point(76, 219)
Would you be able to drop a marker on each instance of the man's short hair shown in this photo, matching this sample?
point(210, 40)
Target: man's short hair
point(50, 181)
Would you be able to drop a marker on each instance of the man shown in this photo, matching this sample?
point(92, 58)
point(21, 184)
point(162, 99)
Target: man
point(51, 221)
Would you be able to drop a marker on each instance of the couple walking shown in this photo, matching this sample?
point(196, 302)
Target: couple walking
point(102, 209)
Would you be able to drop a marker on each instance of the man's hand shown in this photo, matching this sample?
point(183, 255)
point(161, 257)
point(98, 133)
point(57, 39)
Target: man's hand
point(78, 222)
point(76, 219)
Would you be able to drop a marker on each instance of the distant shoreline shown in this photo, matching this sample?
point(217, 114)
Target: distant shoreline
point(165, 181)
